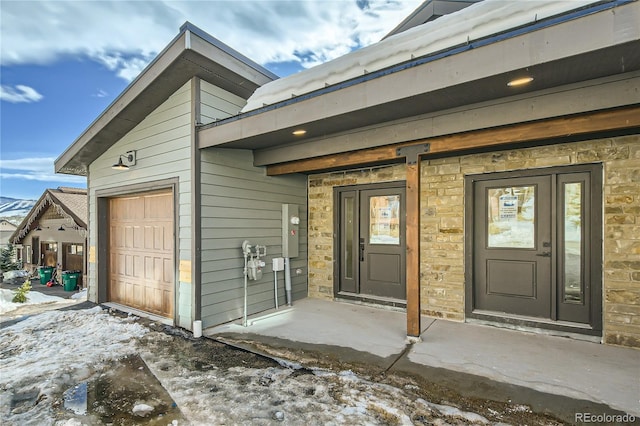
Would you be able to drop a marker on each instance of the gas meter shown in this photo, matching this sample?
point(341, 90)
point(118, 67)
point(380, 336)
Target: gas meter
point(253, 262)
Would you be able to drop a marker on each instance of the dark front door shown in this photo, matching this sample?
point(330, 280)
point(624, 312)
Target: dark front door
point(371, 223)
point(536, 246)
point(513, 246)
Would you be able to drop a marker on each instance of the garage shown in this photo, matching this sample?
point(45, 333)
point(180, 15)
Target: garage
point(141, 252)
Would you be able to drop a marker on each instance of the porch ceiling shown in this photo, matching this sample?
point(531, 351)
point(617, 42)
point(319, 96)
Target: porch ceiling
point(555, 56)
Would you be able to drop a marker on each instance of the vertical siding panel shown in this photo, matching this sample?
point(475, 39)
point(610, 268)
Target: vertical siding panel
point(240, 202)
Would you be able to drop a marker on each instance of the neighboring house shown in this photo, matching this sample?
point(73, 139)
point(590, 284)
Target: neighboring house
point(54, 232)
point(6, 230)
point(480, 167)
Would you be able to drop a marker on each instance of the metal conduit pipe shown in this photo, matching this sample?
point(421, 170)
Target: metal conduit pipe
point(287, 279)
point(245, 273)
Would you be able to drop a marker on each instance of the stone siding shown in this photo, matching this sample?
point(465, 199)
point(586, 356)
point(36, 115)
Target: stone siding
point(321, 231)
point(442, 224)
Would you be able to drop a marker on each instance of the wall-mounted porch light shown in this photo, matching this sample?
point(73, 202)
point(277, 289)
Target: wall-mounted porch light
point(129, 160)
point(61, 228)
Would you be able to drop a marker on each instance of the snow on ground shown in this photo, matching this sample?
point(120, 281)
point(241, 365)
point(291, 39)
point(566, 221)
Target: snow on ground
point(47, 353)
point(33, 298)
point(36, 303)
point(81, 295)
point(289, 395)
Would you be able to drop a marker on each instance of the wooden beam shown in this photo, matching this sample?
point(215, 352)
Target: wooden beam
point(413, 245)
point(618, 119)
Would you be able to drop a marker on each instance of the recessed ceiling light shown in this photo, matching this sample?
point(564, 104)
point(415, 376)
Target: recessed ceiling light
point(520, 81)
point(299, 132)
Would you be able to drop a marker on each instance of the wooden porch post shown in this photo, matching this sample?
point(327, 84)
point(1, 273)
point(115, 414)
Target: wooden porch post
point(412, 155)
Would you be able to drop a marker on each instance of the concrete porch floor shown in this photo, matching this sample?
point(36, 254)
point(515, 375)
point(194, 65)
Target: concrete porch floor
point(551, 374)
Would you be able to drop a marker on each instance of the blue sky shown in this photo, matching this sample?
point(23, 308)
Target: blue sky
point(63, 62)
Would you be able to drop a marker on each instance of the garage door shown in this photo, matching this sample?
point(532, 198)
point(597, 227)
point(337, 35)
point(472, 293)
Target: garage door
point(141, 251)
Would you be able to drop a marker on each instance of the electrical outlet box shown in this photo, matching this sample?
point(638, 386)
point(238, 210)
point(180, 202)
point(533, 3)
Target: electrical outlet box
point(278, 264)
point(290, 230)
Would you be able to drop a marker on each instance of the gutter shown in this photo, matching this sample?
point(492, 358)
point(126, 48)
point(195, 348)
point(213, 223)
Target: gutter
point(549, 22)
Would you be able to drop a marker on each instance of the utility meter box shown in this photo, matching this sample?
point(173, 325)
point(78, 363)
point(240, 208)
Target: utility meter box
point(290, 230)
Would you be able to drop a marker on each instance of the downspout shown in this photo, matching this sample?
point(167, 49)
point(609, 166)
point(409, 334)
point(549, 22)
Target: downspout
point(196, 205)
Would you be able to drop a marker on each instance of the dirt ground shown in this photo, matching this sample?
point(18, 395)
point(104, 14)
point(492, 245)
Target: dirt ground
point(200, 355)
point(174, 379)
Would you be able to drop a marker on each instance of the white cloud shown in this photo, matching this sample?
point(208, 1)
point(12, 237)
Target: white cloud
point(125, 36)
point(35, 169)
point(101, 94)
point(19, 94)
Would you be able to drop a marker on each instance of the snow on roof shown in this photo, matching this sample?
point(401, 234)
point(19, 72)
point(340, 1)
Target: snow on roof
point(477, 21)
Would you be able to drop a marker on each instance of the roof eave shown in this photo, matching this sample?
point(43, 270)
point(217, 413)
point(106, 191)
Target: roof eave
point(428, 11)
point(193, 53)
point(394, 95)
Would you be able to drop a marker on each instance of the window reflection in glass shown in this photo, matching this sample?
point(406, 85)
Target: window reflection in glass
point(75, 249)
point(384, 219)
point(573, 243)
point(511, 217)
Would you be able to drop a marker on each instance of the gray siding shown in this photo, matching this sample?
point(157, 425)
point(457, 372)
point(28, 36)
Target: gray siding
point(240, 202)
point(216, 103)
point(163, 147)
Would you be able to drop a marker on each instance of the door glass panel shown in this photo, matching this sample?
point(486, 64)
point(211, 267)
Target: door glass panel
point(384, 223)
point(511, 217)
point(573, 243)
point(348, 252)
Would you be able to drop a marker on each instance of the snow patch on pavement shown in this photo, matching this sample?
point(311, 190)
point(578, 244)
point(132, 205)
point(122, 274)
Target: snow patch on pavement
point(81, 295)
point(33, 298)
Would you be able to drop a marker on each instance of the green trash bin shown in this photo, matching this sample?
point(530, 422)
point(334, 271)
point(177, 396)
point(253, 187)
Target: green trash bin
point(70, 280)
point(45, 273)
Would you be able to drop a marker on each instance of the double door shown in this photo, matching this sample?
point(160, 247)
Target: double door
point(372, 243)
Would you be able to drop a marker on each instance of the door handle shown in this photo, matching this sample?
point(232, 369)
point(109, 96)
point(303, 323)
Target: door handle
point(544, 254)
point(361, 249)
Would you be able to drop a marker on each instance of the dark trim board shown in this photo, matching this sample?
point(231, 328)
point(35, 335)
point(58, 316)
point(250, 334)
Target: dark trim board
point(355, 297)
point(594, 246)
point(102, 234)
